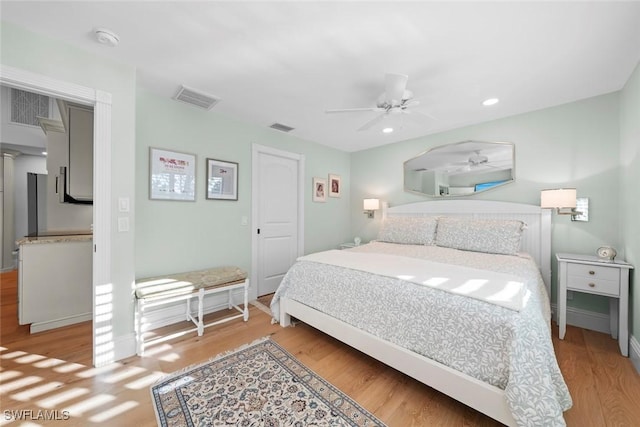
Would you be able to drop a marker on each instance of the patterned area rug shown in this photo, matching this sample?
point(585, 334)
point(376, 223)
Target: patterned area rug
point(260, 384)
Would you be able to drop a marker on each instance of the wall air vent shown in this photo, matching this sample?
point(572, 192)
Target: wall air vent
point(198, 99)
point(281, 127)
point(26, 107)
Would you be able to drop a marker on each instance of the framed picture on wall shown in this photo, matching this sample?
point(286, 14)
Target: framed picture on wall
point(172, 175)
point(319, 190)
point(335, 186)
point(222, 180)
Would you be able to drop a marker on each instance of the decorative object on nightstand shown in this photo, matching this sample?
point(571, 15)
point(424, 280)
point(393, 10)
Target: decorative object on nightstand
point(606, 253)
point(348, 245)
point(593, 275)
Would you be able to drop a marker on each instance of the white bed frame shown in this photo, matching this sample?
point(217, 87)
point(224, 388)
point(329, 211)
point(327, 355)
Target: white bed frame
point(481, 396)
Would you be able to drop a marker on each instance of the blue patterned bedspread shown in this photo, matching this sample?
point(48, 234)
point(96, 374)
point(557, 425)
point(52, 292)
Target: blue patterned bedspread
point(505, 348)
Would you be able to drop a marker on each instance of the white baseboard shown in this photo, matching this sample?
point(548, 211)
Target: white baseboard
point(634, 352)
point(585, 319)
point(58, 323)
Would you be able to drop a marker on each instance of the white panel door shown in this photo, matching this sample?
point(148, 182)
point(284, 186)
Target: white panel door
point(277, 225)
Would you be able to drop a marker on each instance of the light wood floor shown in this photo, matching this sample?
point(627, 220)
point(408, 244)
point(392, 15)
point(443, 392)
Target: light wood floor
point(52, 370)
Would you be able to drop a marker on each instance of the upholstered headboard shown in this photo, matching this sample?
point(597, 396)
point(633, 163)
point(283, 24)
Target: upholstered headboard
point(536, 238)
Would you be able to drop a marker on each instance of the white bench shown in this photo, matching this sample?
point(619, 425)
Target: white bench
point(156, 291)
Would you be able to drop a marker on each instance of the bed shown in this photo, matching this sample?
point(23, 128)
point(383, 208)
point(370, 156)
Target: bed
point(454, 294)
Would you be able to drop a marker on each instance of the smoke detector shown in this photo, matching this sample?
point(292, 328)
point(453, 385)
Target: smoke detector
point(106, 37)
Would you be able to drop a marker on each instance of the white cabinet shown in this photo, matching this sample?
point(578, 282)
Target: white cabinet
point(589, 274)
point(55, 283)
point(80, 171)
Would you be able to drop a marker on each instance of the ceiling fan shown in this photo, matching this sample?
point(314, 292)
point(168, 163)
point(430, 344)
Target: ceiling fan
point(475, 160)
point(396, 99)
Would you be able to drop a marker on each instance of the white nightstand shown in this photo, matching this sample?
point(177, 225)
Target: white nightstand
point(592, 275)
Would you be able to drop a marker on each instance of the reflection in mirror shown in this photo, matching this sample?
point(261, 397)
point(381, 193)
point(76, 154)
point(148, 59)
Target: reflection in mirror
point(460, 169)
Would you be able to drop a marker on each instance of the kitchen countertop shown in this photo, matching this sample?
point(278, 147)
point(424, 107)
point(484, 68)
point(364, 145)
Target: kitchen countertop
point(57, 237)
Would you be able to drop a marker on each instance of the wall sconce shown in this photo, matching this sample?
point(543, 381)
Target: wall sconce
point(564, 201)
point(370, 206)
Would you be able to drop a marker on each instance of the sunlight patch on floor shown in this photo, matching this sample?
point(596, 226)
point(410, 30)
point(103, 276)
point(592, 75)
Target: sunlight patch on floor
point(19, 383)
point(29, 358)
point(114, 411)
point(69, 367)
point(88, 404)
point(125, 373)
point(54, 401)
point(34, 392)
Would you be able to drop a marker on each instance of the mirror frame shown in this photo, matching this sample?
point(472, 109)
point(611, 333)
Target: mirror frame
point(441, 147)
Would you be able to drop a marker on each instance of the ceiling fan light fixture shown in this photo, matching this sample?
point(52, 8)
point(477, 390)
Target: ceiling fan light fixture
point(490, 101)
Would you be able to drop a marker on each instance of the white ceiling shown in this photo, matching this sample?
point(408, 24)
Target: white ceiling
point(287, 62)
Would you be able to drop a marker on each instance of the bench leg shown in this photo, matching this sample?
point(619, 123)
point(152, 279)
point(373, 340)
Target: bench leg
point(246, 300)
point(200, 312)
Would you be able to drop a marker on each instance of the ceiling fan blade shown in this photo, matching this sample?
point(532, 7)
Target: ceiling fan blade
point(350, 110)
point(410, 103)
point(413, 113)
point(395, 85)
point(372, 122)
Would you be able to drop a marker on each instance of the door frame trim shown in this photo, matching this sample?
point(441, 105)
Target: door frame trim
point(103, 352)
point(257, 149)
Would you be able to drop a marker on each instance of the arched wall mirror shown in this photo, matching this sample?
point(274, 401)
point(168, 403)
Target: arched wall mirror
point(460, 169)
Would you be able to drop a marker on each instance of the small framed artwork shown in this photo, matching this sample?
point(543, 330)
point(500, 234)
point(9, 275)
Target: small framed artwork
point(172, 175)
point(319, 190)
point(335, 186)
point(222, 180)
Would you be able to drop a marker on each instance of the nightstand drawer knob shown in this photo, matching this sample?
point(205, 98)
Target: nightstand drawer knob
point(591, 272)
point(592, 285)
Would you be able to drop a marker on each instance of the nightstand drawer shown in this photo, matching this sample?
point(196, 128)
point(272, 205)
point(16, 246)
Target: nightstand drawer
point(595, 286)
point(594, 271)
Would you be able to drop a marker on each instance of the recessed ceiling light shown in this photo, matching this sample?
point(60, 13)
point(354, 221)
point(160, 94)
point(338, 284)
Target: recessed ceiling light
point(108, 37)
point(490, 101)
point(387, 130)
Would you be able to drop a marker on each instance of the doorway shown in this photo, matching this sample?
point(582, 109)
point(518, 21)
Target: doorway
point(277, 215)
point(103, 352)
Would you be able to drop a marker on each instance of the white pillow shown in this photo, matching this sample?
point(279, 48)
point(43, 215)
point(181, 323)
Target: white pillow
point(496, 236)
point(415, 230)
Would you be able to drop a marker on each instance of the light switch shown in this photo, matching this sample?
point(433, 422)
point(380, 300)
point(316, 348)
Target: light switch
point(244, 220)
point(123, 204)
point(123, 224)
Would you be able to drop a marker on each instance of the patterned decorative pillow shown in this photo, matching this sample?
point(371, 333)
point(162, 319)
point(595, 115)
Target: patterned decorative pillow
point(415, 230)
point(496, 236)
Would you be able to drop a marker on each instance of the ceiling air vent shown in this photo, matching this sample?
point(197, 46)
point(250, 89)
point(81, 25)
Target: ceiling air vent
point(281, 127)
point(198, 99)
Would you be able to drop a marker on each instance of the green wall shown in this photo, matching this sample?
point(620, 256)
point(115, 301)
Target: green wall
point(32, 52)
point(572, 145)
point(630, 190)
point(180, 236)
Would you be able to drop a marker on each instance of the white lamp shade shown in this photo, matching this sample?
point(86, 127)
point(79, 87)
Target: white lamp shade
point(371, 204)
point(559, 198)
